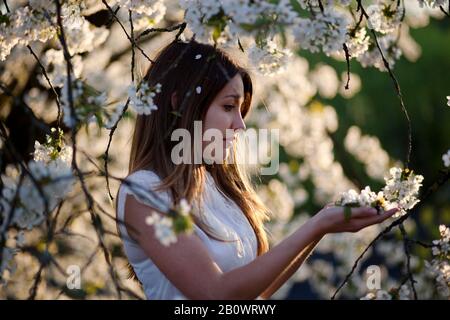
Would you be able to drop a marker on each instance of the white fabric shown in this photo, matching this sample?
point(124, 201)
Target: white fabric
point(222, 213)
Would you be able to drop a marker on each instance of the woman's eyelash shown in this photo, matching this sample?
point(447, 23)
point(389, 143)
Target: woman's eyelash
point(228, 107)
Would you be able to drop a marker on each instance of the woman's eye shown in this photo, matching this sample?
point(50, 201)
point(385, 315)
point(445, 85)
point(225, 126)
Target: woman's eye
point(228, 107)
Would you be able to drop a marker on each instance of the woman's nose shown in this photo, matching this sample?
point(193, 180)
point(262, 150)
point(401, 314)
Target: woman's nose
point(238, 123)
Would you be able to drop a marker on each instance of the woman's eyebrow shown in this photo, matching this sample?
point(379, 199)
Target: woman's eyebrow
point(235, 96)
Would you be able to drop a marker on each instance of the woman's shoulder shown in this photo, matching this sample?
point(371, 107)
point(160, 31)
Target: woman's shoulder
point(142, 184)
point(143, 175)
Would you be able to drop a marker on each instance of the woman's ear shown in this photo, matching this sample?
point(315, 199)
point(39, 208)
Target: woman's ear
point(174, 101)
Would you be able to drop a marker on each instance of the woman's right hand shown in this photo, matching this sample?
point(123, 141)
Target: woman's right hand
point(331, 219)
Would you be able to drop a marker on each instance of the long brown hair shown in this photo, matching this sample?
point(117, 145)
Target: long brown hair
point(180, 67)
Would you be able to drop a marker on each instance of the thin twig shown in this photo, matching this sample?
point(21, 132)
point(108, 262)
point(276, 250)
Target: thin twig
point(125, 31)
point(180, 27)
point(44, 72)
point(408, 260)
point(396, 85)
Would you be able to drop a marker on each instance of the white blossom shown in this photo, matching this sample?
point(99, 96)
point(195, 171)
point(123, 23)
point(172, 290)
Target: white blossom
point(51, 169)
point(357, 42)
point(383, 17)
point(48, 153)
point(268, 59)
point(369, 151)
point(372, 56)
point(327, 31)
point(378, 295)
point(404, 293)
point(141, 99)
point(29, 23)
point(439, 267)
point(145, 13)
point(326, 80)
point(433, 3)
point(56, 67)
point(24, 26)
point(85, 38)
point(184, 207)
point(163, 228)
point(354, 85)
point(113, 117)
point(280, 202)
point(402, 188)
point(349, 197)
point(446, 158)
point(88, 104)
point(198, 12)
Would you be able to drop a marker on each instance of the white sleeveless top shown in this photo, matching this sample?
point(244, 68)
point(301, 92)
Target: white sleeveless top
point(221, 212)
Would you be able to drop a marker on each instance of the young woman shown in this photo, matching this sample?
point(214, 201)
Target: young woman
point(227, 256)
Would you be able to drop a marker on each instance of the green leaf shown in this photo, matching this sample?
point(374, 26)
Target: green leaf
point(216, 33)
point(296, 6)
point(347, 213)
point(182, 224)
point(4, 18)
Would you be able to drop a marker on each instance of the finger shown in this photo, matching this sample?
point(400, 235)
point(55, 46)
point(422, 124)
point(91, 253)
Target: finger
point(390, 212)
point(364, 212)
point(380, 218)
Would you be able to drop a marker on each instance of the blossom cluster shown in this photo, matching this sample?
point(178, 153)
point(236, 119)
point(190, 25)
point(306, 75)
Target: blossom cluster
point(364, 147)
point(446, 158)
point(56, 67)
point(401, 190)
point(145, 13)
point(439, 267)
point(384, 17)
point(141, 98)
point(22, 202)
point(271, 59)
point(23, 26)
point(27, 198)
point(168, 226)
point(311, 25)
point(37, 22)
point(88, 104)
point(433, 3)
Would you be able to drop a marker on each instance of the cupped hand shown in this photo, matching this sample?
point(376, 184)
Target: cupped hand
point(332, 219)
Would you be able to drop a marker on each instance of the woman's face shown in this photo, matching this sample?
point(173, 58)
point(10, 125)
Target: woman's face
point(224, 115)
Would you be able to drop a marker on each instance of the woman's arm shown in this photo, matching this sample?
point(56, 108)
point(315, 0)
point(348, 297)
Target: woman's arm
point(266, 269)
point(293, 267)
point(188, 265)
